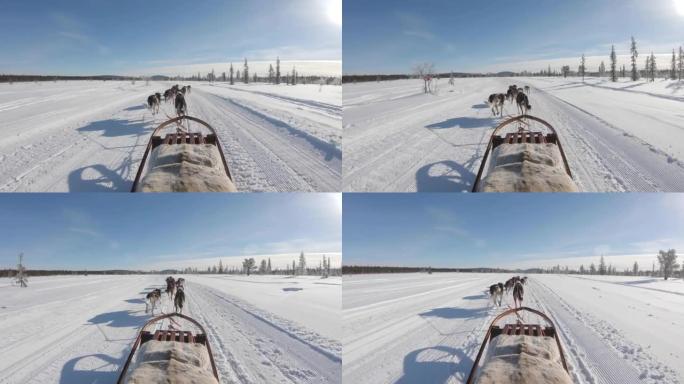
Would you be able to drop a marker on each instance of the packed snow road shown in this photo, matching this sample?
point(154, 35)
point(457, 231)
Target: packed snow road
point(90, 136)
point(617, 137)
point(416, 328)
point(80, 329)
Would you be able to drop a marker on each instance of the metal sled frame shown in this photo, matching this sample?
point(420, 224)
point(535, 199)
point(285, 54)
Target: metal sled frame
point(169, 335)
point(517, 329)
point(522, 136)
point(180, 138)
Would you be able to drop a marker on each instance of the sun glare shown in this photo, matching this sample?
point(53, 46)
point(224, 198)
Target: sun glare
point(679, 6)
point(334, 11)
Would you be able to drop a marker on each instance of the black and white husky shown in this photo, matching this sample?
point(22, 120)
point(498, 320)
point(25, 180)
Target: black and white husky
point(496, 103)
point(179, 300)
point(523, 103)
point(153, 104)
point(496, 292)
point(152, 299)
point(518, 294)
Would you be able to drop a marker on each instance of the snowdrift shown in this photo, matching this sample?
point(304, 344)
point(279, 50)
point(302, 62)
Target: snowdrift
point(523, 359)
point(527, 167)
point(186, 168)
point(171, 362)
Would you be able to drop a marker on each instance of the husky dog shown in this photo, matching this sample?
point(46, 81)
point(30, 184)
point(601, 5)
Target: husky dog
point(496, 103)
point(188, 88)
point(170, 286)
point(180, 283)
point(509, 285)
point(512, 93)
point(179, 300)
point(523, 103)
point(527, 89)
point(153, 103)
point(495, 292)
point(151, 299)
point(523, 280)
point(518, 294)
point(181, 107)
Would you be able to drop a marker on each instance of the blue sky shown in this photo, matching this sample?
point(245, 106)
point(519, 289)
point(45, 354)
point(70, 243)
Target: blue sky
point(390, 36)
point(457, 230)
point(99, 231)
point(114, 37)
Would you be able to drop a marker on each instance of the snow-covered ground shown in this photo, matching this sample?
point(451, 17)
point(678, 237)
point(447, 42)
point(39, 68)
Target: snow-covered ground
point(418, 328)
point(262, 329)
point(625, 136)
point(90, 135)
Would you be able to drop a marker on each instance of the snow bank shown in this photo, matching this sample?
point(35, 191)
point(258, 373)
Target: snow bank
point(165, 362)
point(527, 168)
point(523, 359)
point(186, 168)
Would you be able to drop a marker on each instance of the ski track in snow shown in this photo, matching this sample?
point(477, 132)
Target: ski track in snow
point(398, 139)
point(90, 136)
point(80, 330)
point(428, 328)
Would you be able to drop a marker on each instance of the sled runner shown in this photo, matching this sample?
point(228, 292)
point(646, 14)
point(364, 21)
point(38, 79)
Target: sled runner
point(170, 355)
point(520, 353)
point(183, 161)
point(524, 160)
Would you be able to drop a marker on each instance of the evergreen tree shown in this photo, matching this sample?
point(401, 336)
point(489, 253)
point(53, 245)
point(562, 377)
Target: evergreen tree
point(268, 268)
point(232, 82)
point(602, 69)
point(602, 266)
point(634, 56)
point(277, 74)
point(245, 73)
point(220, 268)
point(673, 68)
point(652, 67)
point(680, 63)
point(262, 267)
point(294, 269)
point(223, 77)
point(592, 269)
point(613, 65)
point(270, 73)
point(294, 76)
point(635, 269)
point(302, 264)
point(583, 66)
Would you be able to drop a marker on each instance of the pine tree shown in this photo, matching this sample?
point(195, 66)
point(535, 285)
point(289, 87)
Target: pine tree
point(673, 68)
point(613, 65)
point(602, 69)
point(294, 76)
point(232, 82)
point(269, 265)
point(245, 73)
point(634, 56)
point(220, 268)
point(681, 63)
point(294, 269)
point(635, 269)
point(602, 266)
point(583, 66)
point(652, 67)
point(270, 73)
point(277, 74)
point(302, 264)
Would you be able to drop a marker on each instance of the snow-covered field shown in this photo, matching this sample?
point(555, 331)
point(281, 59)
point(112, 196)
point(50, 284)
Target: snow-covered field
point(90, 135)
point(625, 136)
point(419, 328)
point(262, 329)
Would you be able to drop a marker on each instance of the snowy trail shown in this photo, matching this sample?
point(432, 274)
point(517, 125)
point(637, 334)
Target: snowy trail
point(398, 139)
point(80, 330)
point(90, 136)
point(415, 328)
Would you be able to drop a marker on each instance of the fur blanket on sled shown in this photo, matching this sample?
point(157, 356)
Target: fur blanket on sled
point(522, 359)
point(186, 168)
point(171, 362)
point(527, 168)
